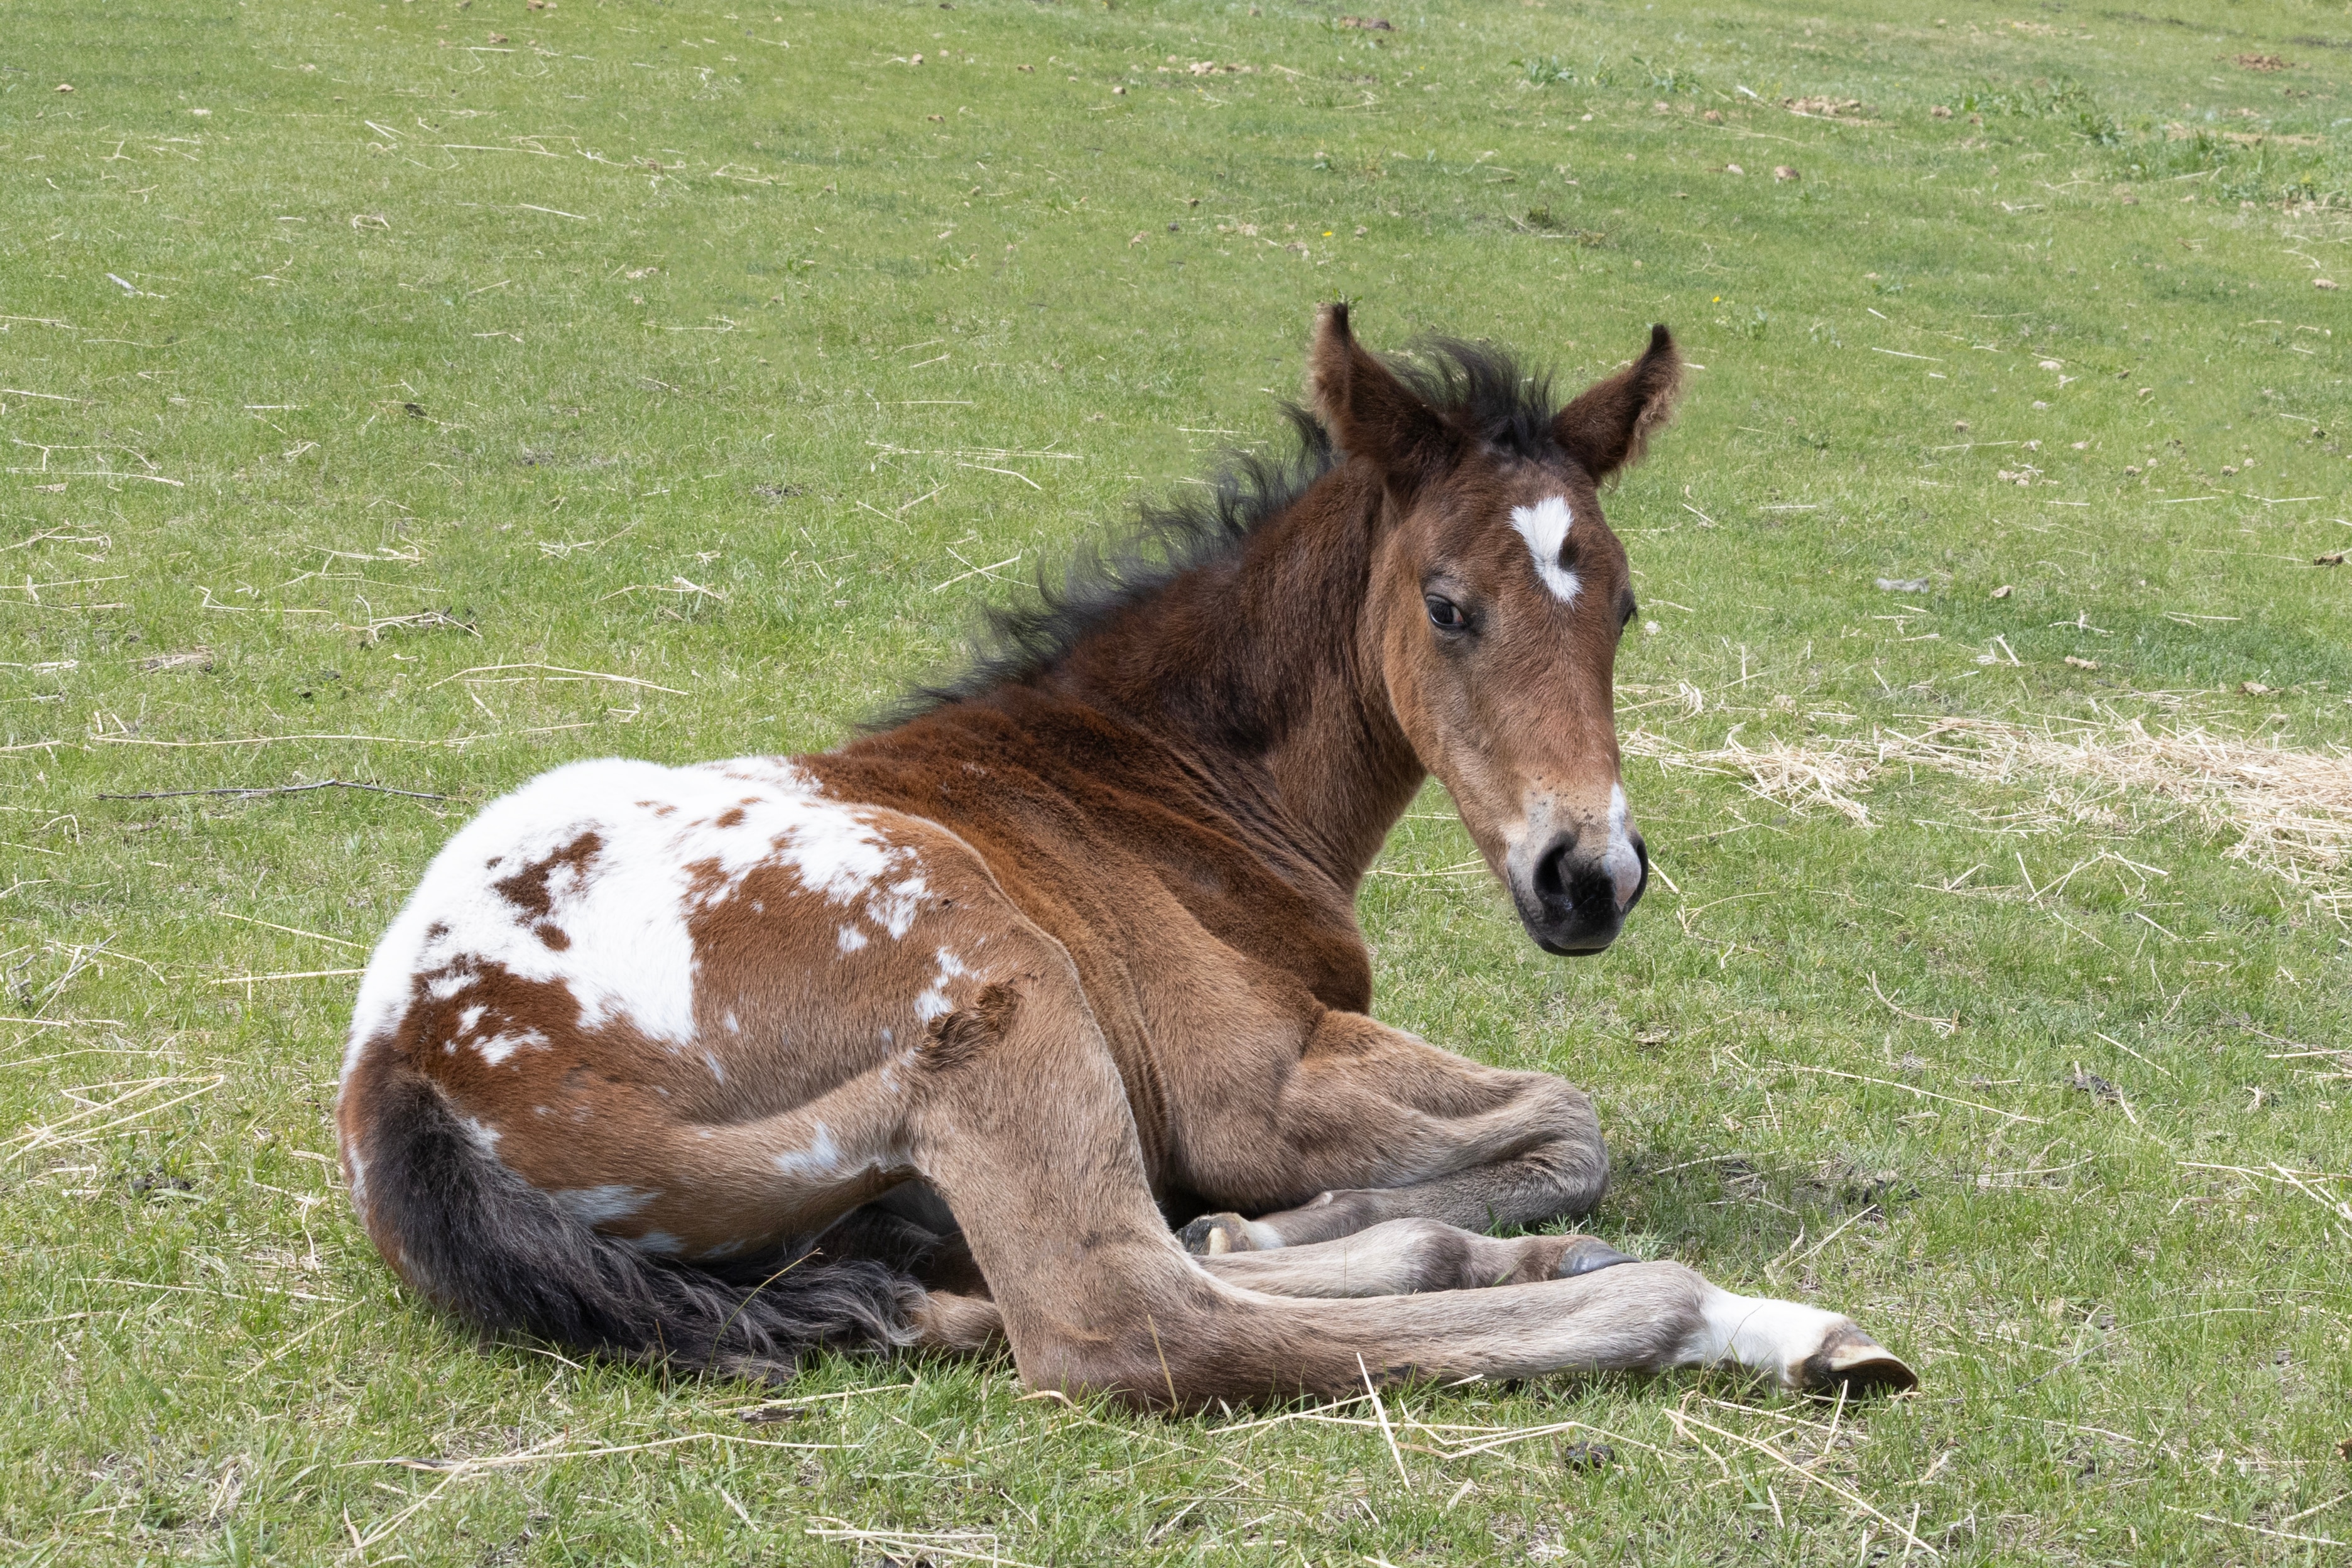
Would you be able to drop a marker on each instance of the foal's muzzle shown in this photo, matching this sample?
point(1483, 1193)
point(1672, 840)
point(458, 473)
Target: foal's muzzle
point(1579, 892)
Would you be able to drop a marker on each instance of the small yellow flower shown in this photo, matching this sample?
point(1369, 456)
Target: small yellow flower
point(1326, 234)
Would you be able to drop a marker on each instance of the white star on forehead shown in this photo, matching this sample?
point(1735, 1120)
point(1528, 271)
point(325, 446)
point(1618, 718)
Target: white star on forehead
point(1545, 528)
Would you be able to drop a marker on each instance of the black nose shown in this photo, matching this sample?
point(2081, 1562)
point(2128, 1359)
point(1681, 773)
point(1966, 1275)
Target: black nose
point(1575, 898)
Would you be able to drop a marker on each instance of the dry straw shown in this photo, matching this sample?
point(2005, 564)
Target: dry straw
point(1796, 778)
point(2289, 811)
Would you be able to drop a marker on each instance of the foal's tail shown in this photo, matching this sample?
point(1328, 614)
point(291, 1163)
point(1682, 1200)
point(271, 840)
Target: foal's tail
point(494, 1250)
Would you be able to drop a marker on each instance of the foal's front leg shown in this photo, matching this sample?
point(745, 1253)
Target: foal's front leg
point(1408, 1256)
point(1370, 1124)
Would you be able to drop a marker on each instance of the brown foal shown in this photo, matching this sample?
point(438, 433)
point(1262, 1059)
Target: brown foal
point(927, 1041)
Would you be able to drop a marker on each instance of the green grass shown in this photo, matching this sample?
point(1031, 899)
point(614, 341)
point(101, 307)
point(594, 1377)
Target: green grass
point(408, 320)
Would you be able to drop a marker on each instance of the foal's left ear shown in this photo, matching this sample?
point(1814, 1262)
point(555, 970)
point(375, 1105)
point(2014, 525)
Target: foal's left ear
point(1607, 426)
point(1370, 413)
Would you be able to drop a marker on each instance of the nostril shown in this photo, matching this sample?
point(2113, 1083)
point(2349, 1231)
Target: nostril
point(1552, 874)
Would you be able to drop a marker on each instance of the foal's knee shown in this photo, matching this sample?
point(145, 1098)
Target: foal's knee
point(1444, 1258)
point(1429, 1254)
point(1576, 1159)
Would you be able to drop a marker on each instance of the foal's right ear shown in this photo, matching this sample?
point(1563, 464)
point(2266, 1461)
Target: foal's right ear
point(1371, 413)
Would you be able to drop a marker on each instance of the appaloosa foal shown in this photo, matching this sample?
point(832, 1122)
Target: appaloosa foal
point(926, 1040)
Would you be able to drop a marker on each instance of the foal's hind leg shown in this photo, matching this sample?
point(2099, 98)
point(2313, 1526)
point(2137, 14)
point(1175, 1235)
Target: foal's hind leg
point(1373, 1124)
point(1408, 1256)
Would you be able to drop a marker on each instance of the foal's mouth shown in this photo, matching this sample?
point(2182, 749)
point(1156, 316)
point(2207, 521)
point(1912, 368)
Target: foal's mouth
point(1583, 943)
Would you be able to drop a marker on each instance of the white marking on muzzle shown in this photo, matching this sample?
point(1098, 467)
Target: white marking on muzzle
point(1545, 528)
point(1620, 861)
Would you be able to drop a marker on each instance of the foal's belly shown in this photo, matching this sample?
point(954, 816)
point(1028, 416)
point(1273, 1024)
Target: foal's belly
point(686, 1003)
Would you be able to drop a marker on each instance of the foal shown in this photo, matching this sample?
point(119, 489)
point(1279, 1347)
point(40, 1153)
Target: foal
point(927, 1040)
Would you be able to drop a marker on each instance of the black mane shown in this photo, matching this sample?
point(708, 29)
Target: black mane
point(1481, 389)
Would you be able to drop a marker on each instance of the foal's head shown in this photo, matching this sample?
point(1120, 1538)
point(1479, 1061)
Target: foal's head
point(1497, 600)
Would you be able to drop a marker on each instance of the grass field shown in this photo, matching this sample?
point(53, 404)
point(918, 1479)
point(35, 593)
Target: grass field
point(422, 395)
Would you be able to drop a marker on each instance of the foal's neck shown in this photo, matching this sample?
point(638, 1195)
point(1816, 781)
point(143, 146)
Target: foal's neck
point(1259, 669)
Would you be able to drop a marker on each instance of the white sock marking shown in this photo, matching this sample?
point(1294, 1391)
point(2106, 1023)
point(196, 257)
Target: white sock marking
point(1757, 1332)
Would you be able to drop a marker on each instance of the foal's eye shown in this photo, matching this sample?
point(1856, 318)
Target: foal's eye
point(1444, 613)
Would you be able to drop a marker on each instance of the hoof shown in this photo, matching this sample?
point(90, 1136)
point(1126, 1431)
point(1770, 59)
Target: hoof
point(1214, 1235)
point(1586, 1254)
point(1851, 1360)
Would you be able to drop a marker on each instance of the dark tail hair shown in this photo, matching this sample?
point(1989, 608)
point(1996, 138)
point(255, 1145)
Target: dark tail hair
point(499, 1253)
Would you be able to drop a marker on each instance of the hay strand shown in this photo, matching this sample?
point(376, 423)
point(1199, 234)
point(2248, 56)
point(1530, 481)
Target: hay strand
point(2289, 811)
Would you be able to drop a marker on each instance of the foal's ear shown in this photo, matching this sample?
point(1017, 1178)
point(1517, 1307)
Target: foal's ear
point(1607, 426)
point(1371, 413)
